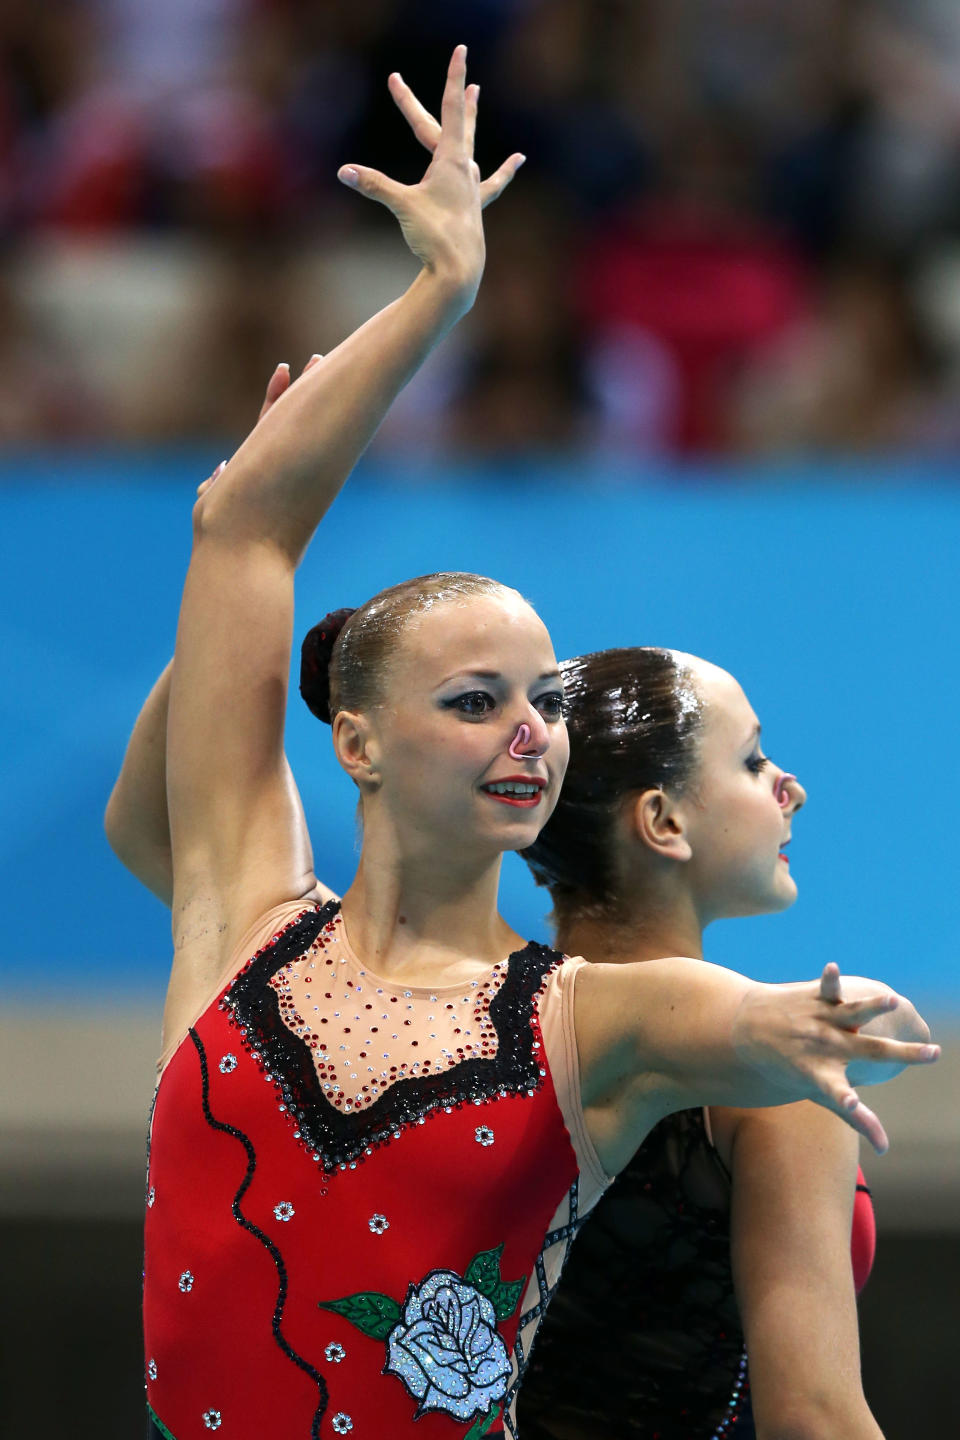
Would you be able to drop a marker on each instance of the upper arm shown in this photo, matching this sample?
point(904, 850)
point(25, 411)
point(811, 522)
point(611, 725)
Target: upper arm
point(794, 1177)
point(238, 840)
point(653, 1037)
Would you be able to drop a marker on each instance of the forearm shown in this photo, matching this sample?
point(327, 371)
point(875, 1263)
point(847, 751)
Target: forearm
point(290, 469)
point(136, 821)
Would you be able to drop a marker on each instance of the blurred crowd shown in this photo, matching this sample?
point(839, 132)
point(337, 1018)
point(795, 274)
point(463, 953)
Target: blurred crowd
point(737, 233)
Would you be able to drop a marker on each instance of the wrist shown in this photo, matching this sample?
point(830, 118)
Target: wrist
point(452, 282)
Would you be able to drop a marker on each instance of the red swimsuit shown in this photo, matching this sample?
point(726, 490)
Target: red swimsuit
point(359, 1197)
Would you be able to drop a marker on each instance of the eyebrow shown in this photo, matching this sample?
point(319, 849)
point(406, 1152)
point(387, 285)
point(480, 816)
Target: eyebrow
point(492, 675)
point(754, 735)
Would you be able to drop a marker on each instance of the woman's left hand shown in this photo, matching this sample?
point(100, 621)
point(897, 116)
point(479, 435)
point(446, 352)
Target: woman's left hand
point(901, 1021)
point(792, 1033)
point(440, 216)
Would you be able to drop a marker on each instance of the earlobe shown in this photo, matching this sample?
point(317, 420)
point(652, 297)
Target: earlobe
point(657, 821)
point(356, 749)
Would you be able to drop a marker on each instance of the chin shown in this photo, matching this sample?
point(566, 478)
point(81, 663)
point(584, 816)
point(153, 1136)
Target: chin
point(779, 897)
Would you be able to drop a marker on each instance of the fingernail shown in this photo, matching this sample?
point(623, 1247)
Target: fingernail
point(316, 357)
point(348, 175)
point(283, 365)
point(850, 1102)
point(931, 1052)
point(523, 159)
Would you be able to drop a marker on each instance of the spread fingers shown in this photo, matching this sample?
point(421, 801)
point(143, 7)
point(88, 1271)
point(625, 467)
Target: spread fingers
point(424, 125)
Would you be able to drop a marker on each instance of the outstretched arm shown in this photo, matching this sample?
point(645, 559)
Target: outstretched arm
point(234, 842)
point(666, 1035)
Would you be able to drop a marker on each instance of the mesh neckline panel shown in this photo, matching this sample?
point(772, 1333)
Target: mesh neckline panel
point(354, 1058)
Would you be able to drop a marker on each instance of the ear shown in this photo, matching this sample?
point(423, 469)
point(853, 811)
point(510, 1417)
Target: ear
point(658, 821)
point(356, 749)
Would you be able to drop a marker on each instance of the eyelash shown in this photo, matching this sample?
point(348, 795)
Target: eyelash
point(551, 705)
point(461, 703)
point(756, 763)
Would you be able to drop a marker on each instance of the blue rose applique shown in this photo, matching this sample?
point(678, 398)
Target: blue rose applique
point(443, 1343)
point(447, 1349)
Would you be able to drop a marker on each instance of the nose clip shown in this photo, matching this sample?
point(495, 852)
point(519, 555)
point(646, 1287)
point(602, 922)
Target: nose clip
point(780, 793)
point(523, 737)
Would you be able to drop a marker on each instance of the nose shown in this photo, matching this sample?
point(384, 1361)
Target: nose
point(789, 793)
point(530, 742)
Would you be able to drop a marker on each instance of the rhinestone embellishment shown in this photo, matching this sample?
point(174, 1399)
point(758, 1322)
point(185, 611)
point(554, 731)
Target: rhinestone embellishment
point(211, 1419)
point(341, 1423)
point(284, 1211)
point(483, 1135)
point(186, 1281)
point(151, 1197)
point(378, 1223)
point(152, 1369)
point(228, 1063)
point(334, 1353)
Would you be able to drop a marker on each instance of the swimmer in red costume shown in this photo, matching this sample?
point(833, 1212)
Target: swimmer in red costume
point(727, 1222)
point(379, 1123)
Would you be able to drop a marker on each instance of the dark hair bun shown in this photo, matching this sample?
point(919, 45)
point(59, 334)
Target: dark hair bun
point(315, 655)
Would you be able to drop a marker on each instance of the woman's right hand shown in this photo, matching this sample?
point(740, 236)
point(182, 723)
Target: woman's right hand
point(441, 216)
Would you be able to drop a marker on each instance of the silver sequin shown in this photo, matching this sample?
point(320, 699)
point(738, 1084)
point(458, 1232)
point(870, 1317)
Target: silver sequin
point(484, 1135)
point(378, 1223)
point(152, 1369)
point(335, 1353)
point(228, 1063)
point(211, 1419)
point(341, 1423)
point(284, 1211)
point(186, 1281)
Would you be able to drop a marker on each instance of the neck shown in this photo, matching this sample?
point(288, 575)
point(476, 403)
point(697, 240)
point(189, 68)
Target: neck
point(420, 919)
point(647, 931)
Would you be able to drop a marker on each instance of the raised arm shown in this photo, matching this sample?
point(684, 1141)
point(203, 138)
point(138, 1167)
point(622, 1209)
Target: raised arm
point(668, 1035)
point(234, 847)
point(137, 821)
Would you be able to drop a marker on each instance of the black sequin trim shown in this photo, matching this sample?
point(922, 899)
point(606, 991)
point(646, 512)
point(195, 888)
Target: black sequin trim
point(339, 1138)
point(264, 1239)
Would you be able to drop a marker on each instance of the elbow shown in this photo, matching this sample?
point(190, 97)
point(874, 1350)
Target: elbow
point(113, 826)
point(119, 833)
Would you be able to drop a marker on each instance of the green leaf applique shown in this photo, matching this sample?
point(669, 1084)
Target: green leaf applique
point(482, 1423)
point(374, 1314)
point(483, 1272)
point(506, 1297)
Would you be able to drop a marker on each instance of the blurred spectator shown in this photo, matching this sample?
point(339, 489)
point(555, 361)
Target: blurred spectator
point(697, 276)
point(856, 374)
point(719, 242)
point(43, 394)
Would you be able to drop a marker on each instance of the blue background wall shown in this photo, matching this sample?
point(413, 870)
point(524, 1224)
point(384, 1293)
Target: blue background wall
point(832, 595)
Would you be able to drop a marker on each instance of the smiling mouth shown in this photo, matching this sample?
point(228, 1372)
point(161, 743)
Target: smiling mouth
point(524, 794)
